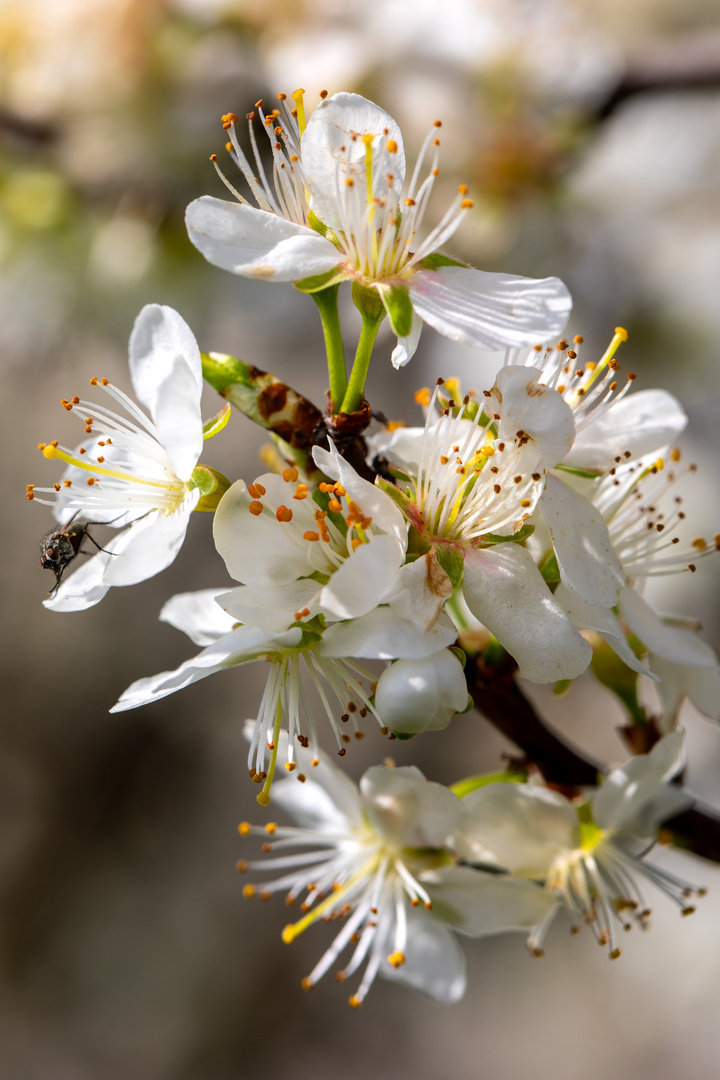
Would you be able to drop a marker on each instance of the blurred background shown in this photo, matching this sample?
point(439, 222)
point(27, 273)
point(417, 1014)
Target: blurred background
point(589, 135)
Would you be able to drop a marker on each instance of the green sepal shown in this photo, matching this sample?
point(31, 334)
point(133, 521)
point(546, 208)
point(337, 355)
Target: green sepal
point(216, 423)
point(319, 226)
point(452, 562)
point(368, 302)
point(470, 705)
point(221, 371)
point(436, 261)
point(211, 484)
point(459, 653)
point(515, 538)
point(494, 654)
point(550, 570)
point(397, 302)
point(562, 687)
point(461, 788)
point(587, 474)
point(318, 282)
point(405, 736)
point(401, 500)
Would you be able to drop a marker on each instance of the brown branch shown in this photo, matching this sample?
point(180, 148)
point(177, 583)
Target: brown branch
point(498, 697)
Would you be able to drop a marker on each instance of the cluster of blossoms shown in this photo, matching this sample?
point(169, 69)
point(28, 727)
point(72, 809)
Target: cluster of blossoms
point(515, 530)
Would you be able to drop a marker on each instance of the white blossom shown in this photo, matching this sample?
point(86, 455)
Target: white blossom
point(362, 223)
point(589, 855)
point(422, 695)
point(379, 864)
point(134, 472)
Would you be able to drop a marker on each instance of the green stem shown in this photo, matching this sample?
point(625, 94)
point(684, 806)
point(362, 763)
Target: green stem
point(356, 384)
point(326, 300)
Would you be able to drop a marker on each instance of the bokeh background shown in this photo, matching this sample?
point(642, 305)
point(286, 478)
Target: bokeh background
point(589, 134)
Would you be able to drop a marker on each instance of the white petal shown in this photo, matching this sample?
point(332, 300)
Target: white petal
point(659, 637)
point(420, 591)
point(150, 545)
point(383, 635)
point(504, 590)
point(259, 549)
point(679, 681)
point(372, 500)
point(538, 410)
point(255, 243)
point(271, 607)
point(636, 797)
point(585, 553)
point(525, 828)
point(198, 615)
point(490, 311)
point(406, 346)
point(640, 423)
point(402, 446)
point(604, 621)
point(422, 695)
point(364, 579)
point(407, 810)
point(312, 806)
point(479, 904)
point(239, 646)
point(166, 373)
point(82, 589)
point(434, 962)
point(332, 148)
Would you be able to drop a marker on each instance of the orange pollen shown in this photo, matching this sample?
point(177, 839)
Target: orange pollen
point(283, 514)
point(309, 535)
point(301, 492)
point(256, 491)
point(466, 204)
point(255, 508)
point(334, 506)
point(301, 614)
point(290, 476)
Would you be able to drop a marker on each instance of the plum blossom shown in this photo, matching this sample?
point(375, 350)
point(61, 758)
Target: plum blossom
point(380, 865)
point(134, 472)
point(422, 695)
point(590, 856)
point(474, 484)
point(339, 209)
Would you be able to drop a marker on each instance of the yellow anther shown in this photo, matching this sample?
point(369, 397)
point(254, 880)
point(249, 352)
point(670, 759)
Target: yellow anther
point(244, 828)
point(248, 891)
point(397, 959)
point(297, 97)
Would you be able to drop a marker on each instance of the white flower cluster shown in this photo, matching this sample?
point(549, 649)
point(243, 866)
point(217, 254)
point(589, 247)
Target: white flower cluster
point(533, 513)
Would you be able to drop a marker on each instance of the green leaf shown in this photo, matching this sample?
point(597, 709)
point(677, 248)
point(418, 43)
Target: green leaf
point(398, 305)
point(461, 788)
point(436, 261)
point(515, 538)
point(452, 562)
point(216, 423)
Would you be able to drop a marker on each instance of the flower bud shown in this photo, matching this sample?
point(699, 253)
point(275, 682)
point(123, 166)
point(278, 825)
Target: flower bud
point(421, 695)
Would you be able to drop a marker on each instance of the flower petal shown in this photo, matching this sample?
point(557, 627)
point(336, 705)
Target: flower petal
point(421, 589)
point(434, 962)
point(149, 545)
point(479, 904)
point(407, 810)
point(372, 501)
point(585, 553)
point(270, 607)
point(668, 642)
point(166, 372)
point(422, 695)
point(198, 615)
point(84, 588)
point(383, 635)
point(526, 404)
point(364, 579)
point(333, 149)
point(490, 311)
point(255, 243)
point(406, 346)
point(238, 647)
point(679, 681)
point(605, 622)
point(504, 590)
point(640, 423)
point(525, 828)
point(635, 798)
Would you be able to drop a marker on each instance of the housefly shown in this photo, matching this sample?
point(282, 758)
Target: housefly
point(60, 546)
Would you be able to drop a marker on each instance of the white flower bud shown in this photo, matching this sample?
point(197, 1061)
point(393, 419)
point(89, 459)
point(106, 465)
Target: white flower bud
point(422, 695)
